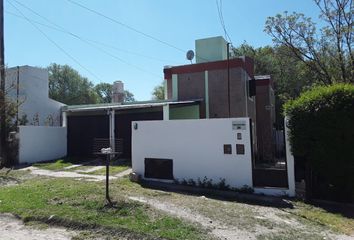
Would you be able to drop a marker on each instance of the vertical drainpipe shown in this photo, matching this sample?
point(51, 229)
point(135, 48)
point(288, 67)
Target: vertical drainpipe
point(206, 79)
point(111, 113)
point(64, 121)
point(17, 93)
point(245, 74)
point(228, 77)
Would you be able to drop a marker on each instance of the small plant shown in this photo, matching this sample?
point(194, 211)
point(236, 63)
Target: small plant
point(199, 183)
point(222, 185)
point(184, 182)
point(244, 189)
point(191, 182)
point(209, 183)
point(35, 120)
point(49, 120)
point(23, 120)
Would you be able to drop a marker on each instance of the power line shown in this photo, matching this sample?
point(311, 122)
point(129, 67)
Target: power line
point(130, 27)
point(53, 42)
point(61, 29)
point(90, 40)
point(222, 22)
point(126, 25)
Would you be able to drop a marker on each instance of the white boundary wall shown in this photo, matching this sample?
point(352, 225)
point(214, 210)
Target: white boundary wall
point(39, 143)
point(33, 95)
point(290, 162)
point(196, 147)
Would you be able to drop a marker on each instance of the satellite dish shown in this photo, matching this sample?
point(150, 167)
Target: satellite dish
point(190, 55)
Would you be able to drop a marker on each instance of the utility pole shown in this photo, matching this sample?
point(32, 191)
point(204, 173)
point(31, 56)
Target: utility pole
point(2, 86)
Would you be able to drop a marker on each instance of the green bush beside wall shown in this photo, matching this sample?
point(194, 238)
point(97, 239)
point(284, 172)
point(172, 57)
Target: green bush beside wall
point(321, 123)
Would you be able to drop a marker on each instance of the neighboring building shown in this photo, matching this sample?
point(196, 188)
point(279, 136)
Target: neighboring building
point(114, 120)
point(29, 86)
point(265, 102)
point(225, 87)
point(214, 87)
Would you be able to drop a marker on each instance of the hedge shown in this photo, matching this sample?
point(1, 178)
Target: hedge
point(321, 123)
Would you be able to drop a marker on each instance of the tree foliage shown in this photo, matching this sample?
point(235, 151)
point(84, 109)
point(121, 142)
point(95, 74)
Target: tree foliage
point(66, 85)
point(159, 92)
point(326, 52)
point(128, 96)
point(289, 74)
point(104, 91)
point(11, 110)
point(322, 132)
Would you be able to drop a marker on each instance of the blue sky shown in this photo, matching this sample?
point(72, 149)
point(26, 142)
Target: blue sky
point(177, 22)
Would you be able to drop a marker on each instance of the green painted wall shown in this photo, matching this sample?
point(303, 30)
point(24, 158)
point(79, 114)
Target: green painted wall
point(188, 112)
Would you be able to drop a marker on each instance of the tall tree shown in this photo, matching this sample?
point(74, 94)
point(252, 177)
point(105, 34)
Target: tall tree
point(159, 92)
point(289, 74)
point(66, 85)
point(326, 52)
point(128, 96)
point(104, 91)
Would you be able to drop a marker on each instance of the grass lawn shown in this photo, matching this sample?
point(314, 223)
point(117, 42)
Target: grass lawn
point(60, 164)
point(54, 166)
point(335, 221)
point(80, 204)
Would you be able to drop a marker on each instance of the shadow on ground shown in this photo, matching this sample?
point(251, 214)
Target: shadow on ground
point(345, 209)
point(252, 199)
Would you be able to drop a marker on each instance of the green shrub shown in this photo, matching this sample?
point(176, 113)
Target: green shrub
point(321, 123)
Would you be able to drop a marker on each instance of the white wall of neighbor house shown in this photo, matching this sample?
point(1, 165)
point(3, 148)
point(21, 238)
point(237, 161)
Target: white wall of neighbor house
point(33, 95)
point(196, 148)
point(41, 143)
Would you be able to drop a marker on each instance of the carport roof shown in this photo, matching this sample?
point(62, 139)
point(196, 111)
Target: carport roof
point(125, 106)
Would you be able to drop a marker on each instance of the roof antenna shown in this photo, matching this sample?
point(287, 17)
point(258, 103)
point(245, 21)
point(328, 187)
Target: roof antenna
point(190, 55)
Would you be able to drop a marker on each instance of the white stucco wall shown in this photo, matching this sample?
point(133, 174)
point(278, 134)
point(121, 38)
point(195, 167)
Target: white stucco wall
point(196, 147)
point(33, 93)
point(40, 143)
point(290, 163)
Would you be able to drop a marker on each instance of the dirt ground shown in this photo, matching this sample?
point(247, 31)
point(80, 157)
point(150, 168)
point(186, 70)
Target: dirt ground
point(228, 220)
point(12, 228)
point(234, 221)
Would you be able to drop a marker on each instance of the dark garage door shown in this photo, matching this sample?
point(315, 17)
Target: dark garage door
point(83, 129)
point(81, 132)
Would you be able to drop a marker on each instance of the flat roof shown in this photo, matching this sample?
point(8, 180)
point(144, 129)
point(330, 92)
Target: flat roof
point(240, 62)
point(125, 106)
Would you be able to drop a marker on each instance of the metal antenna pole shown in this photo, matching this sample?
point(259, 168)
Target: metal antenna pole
point(228, 77)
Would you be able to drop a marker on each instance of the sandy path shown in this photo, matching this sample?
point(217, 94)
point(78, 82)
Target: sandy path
point(12, 228)
point(68, 174)
point(217, 229)
point(224, 230)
